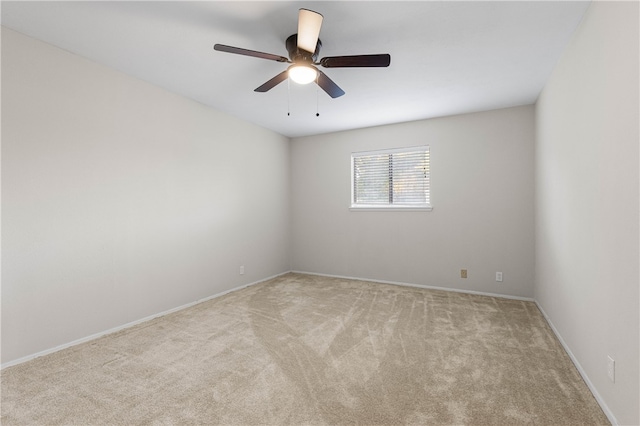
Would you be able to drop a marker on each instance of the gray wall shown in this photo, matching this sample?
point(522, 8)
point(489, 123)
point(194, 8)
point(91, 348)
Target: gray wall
point(481, 192)
point(121, 200)
point(587, 202)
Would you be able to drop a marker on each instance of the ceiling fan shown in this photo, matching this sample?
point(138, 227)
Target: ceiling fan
point(303, 49)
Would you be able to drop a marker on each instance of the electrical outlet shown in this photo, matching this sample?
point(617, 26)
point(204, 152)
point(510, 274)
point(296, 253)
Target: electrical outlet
point(499, 276)
point(463, 273)
point(611, 369)
point(242, 270)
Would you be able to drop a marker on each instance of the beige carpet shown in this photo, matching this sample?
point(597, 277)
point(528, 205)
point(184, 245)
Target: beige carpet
point(312, 350)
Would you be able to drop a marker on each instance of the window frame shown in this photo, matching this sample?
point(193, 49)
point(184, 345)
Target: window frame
point(389, 207)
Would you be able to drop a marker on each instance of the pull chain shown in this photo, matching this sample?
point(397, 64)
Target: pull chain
point(317, 96)
point(288, 98)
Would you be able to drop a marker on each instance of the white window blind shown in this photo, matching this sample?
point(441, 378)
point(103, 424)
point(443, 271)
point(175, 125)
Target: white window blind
point(391, 178)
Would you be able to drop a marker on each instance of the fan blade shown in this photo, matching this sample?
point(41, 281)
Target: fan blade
point(328, 85)
point(382, 60)
point(247, 52)
point(309, 23)
point(273, 82)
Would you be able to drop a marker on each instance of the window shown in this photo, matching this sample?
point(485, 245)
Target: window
point(395, 178)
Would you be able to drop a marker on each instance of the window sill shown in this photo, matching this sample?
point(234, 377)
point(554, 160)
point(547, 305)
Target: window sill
point(391, 208)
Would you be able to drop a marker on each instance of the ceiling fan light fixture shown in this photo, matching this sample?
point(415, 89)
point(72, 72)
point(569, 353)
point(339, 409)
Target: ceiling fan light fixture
point(304, 48)
point(303, 74)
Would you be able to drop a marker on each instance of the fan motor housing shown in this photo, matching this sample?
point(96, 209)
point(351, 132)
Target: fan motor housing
point(299, 55)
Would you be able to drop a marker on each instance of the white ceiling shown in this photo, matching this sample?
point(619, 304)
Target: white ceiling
point(446, 57)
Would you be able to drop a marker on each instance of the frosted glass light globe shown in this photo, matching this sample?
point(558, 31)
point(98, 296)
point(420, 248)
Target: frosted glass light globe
point(302, 74)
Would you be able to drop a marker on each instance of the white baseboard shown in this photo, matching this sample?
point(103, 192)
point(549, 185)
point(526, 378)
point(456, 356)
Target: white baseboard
point(592, 388)
point(129, 324)
point(590, 385)
point(429, 287)
point(160, 314)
